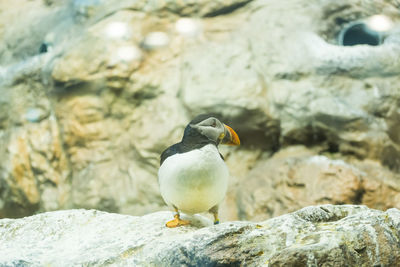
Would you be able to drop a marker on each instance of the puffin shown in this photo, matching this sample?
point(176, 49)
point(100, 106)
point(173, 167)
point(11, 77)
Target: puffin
point(193, 176)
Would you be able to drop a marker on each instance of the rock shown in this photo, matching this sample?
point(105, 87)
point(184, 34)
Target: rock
point(380, 187)
point(38, 171)
point(315, 106)
point(282, 185)
point(313, 236)
point(34, 166)
point(92, 10)
point(24, 35)
point(294, 178)
point(108, 52)
point(91, 92)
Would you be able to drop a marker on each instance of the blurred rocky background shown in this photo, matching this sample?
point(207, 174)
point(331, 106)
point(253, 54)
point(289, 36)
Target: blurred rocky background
point(92, 91)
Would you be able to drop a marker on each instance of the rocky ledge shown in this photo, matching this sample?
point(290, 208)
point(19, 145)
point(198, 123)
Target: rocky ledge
point(326, 235)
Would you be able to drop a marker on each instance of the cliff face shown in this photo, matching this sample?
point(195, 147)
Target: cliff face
point(93, 91)
point(314, 236)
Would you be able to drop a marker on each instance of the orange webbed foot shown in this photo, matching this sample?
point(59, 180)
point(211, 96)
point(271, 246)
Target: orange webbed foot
point(177, 221)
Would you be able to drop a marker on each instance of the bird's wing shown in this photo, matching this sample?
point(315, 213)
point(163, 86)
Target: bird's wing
point(172, 150)
point(181, 148)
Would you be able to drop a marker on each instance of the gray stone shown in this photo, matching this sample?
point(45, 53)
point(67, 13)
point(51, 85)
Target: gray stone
point(314, 236)
point(86, 107)
point(294, 178)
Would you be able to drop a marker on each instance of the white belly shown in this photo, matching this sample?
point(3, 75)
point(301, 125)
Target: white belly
point(194, 181)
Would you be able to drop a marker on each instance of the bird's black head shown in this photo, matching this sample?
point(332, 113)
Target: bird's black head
point(206, 128)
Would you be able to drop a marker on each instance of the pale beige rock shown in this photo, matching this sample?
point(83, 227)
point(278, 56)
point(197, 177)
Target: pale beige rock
point(314, 236)
point(295, 178)
point(83, 124)
point(39, 170)
point(34, 165)
point(24, 26)
point(281, 185)
point(381, 187)
point(98, 59)
point(152, 133)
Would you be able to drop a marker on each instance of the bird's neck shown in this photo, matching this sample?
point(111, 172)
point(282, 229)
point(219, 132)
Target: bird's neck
point(194, 137)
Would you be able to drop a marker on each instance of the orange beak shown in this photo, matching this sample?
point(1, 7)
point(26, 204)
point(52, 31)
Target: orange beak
point(231, 137)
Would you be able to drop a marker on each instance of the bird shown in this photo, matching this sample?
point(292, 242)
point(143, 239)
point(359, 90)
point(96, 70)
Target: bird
point(193, 176)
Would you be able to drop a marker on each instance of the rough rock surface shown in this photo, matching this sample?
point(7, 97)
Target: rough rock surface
point(295, 177)
point(92, 91)
point(324, 235)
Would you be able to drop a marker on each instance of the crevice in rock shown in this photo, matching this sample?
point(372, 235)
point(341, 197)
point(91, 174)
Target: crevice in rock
point(68, 176)
point(361, 250)
point(227, 9)
point(43, 48)
point(391, 158)
point(332, 216)
point(326, 214)
point(333, 147)
point(61, 89)
point(18, 210)
point(290, 76)
point(358, 197)
point(147, 93)
point(358, 33)
point(309, 136)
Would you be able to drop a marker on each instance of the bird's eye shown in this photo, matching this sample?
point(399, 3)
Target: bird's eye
point(214, 124)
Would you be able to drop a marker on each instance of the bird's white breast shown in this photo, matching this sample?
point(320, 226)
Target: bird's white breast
point(194, 181)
